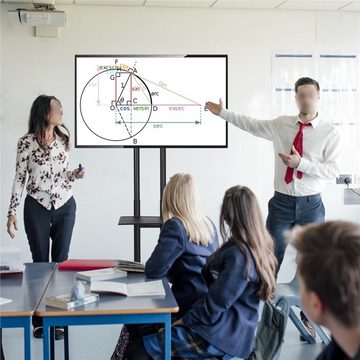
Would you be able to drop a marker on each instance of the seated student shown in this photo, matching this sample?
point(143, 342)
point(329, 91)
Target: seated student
point(186, 239)
point(222, 323)
point(329, 273)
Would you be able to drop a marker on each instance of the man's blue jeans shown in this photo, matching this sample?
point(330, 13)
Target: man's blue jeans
point(285, 211)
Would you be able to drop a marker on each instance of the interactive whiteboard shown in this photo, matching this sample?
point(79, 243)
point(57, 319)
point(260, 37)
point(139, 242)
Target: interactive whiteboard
point(149, 101)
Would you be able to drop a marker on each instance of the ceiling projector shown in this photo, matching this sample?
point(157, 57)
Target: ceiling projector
point(43, 14)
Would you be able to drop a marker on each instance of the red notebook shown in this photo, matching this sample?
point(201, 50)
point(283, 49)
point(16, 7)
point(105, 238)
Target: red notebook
point(86, 264)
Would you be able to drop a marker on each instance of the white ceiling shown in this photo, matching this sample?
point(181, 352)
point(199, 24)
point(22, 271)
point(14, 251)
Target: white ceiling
point(335, 5)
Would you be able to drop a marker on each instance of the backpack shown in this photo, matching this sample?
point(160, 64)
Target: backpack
point(270, 333)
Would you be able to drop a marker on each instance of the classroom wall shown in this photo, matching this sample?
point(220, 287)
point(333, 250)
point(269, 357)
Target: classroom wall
point(31, 66)
point(1, 222)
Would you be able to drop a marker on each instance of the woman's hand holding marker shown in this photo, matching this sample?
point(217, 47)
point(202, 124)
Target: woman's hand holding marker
point(79, 172)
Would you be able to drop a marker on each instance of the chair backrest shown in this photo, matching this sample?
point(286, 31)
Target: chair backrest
point(294, 283)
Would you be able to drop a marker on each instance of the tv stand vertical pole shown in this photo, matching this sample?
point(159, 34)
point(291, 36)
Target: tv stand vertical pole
point(137, 220)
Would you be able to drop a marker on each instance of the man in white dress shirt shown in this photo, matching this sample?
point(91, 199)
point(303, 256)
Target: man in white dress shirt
point(306, 157)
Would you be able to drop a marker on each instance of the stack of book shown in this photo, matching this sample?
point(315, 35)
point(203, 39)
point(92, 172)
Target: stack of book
point(66, 302)
point(92, 264)
point(11, 260)
point(130, 266)
point(147, 288)
point(97, 273)
point(101, 274)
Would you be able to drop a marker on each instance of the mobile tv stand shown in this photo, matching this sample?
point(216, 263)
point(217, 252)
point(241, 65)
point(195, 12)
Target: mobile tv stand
point(137, 220)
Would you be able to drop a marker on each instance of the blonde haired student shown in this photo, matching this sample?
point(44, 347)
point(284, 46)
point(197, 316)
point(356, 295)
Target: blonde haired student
point(222, 323)
point(186, 239)
point(329, 271)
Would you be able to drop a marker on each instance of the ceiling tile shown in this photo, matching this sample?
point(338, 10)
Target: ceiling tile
point(313, 5)
point(354, 6)
point(180, 3)
point(247, 4)
point(110, 2)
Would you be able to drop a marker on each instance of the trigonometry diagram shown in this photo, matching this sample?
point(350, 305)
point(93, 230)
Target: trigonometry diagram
point(117, 104)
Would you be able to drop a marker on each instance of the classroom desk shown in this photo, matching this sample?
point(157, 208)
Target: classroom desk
point(25, 290)
point(111, 309)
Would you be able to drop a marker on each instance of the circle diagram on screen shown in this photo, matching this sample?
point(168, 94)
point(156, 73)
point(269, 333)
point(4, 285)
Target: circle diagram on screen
point(115, 105)
point(148, 101)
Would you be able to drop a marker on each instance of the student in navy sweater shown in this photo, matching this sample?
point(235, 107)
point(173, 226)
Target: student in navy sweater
point(186, 239)
point(328, 259)
point(222, 323)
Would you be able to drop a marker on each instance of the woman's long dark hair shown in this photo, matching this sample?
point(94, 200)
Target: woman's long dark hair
point(39, 121)
point(242, 221)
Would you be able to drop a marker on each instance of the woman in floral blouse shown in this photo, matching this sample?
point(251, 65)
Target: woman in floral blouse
point(42, 165)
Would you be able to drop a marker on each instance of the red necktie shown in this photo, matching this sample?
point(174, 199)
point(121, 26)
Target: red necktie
point(298, 144)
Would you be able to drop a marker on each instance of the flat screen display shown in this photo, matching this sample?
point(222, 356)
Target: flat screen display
point(149, 100)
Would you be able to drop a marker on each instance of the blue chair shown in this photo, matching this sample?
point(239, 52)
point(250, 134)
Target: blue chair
point(287, 296)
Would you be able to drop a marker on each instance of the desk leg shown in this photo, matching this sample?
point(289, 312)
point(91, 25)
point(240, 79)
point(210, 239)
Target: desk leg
point(52, 343)
point(46, 344)
point(66, 342)
point(2, 356)
point(27, 340)
point(168, 337)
